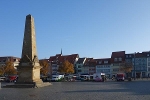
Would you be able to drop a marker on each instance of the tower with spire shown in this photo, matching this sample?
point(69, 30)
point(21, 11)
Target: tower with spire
point(61, 52)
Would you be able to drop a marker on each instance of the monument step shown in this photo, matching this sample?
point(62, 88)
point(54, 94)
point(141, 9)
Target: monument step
point(20, 86)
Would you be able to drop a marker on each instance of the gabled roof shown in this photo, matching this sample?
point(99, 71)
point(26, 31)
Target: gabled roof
point(61, 58)
point(9, 58)
point(146, 53)
point(81, 60)
point(139, 55)
point(118, 54)
point(92, 62)
point(87, 61)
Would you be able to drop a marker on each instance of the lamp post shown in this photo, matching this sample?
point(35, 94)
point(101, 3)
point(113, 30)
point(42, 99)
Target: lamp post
point(134, 67)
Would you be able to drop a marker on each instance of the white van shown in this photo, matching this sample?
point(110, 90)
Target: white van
point(57, 77)
point(85, 77)
point(98, 77)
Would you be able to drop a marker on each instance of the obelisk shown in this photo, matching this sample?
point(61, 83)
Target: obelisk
point(29, 67)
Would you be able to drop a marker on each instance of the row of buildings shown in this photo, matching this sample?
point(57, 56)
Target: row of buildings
point(110, 66)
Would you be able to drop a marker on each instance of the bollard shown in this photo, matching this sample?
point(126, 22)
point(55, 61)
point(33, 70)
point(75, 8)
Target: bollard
point(0, 85)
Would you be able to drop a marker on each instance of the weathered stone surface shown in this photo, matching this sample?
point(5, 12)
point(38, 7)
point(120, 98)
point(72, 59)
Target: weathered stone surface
point(29, 67)
point(29, 52)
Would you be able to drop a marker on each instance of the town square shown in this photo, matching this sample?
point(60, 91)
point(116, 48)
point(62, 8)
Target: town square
point(75, 50)
point(110, 90)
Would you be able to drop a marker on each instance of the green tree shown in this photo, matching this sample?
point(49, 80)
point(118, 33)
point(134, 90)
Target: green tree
point(45, 67)
point(8, 69)
point(66, 67)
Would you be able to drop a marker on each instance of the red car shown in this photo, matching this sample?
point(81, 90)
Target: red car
point(12, 78)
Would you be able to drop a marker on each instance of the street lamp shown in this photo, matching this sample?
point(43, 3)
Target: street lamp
point(134, 67)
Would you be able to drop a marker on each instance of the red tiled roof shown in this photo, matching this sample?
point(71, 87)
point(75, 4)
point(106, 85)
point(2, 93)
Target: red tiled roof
point(87, 61)
point(102, 61)
point(9, 58)
point(146, 53)
point(118, 54)
point(59, 58)
point(139, 55)
point(44, 60)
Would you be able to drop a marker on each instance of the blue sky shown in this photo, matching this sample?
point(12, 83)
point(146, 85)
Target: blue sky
point(91, 28)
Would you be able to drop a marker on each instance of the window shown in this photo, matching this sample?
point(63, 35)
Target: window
point(126, 56)
point(129, 55)
point(116, 69)
point(117, 64)
point(105, 62)
point(120, 59)
point(115, 59)
point(148, 63)
point(100, 62)
point(148, 68)
point(99, 66)
point(79, 71)
point(79, 66)
point(147, 54)
point(149, 59)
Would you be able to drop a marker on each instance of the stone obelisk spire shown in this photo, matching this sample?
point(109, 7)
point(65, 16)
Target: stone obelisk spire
point(29, 52)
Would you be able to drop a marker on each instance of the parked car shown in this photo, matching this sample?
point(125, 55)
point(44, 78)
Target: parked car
point(12, 78)
point(57, 77)
point(2, 79)
point(85, 77)
point(120, 77)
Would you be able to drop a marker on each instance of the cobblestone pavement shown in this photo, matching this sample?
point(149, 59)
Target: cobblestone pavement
point(110, 90)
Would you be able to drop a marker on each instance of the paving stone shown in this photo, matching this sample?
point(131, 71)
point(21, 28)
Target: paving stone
point(111, 90)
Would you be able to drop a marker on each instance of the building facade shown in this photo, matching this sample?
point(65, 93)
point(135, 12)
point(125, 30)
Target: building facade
point(14, 60)
point(104, 66)
point(58, 59)
point(116, 59)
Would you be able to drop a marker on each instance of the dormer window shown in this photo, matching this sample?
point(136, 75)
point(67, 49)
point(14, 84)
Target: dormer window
point(100, 62)
point(147, 54)
point(126, 56)
point(115, 59)
point(105, 62)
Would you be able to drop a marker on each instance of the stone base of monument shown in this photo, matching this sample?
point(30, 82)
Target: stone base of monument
point(27, 85)
point(28, 77)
